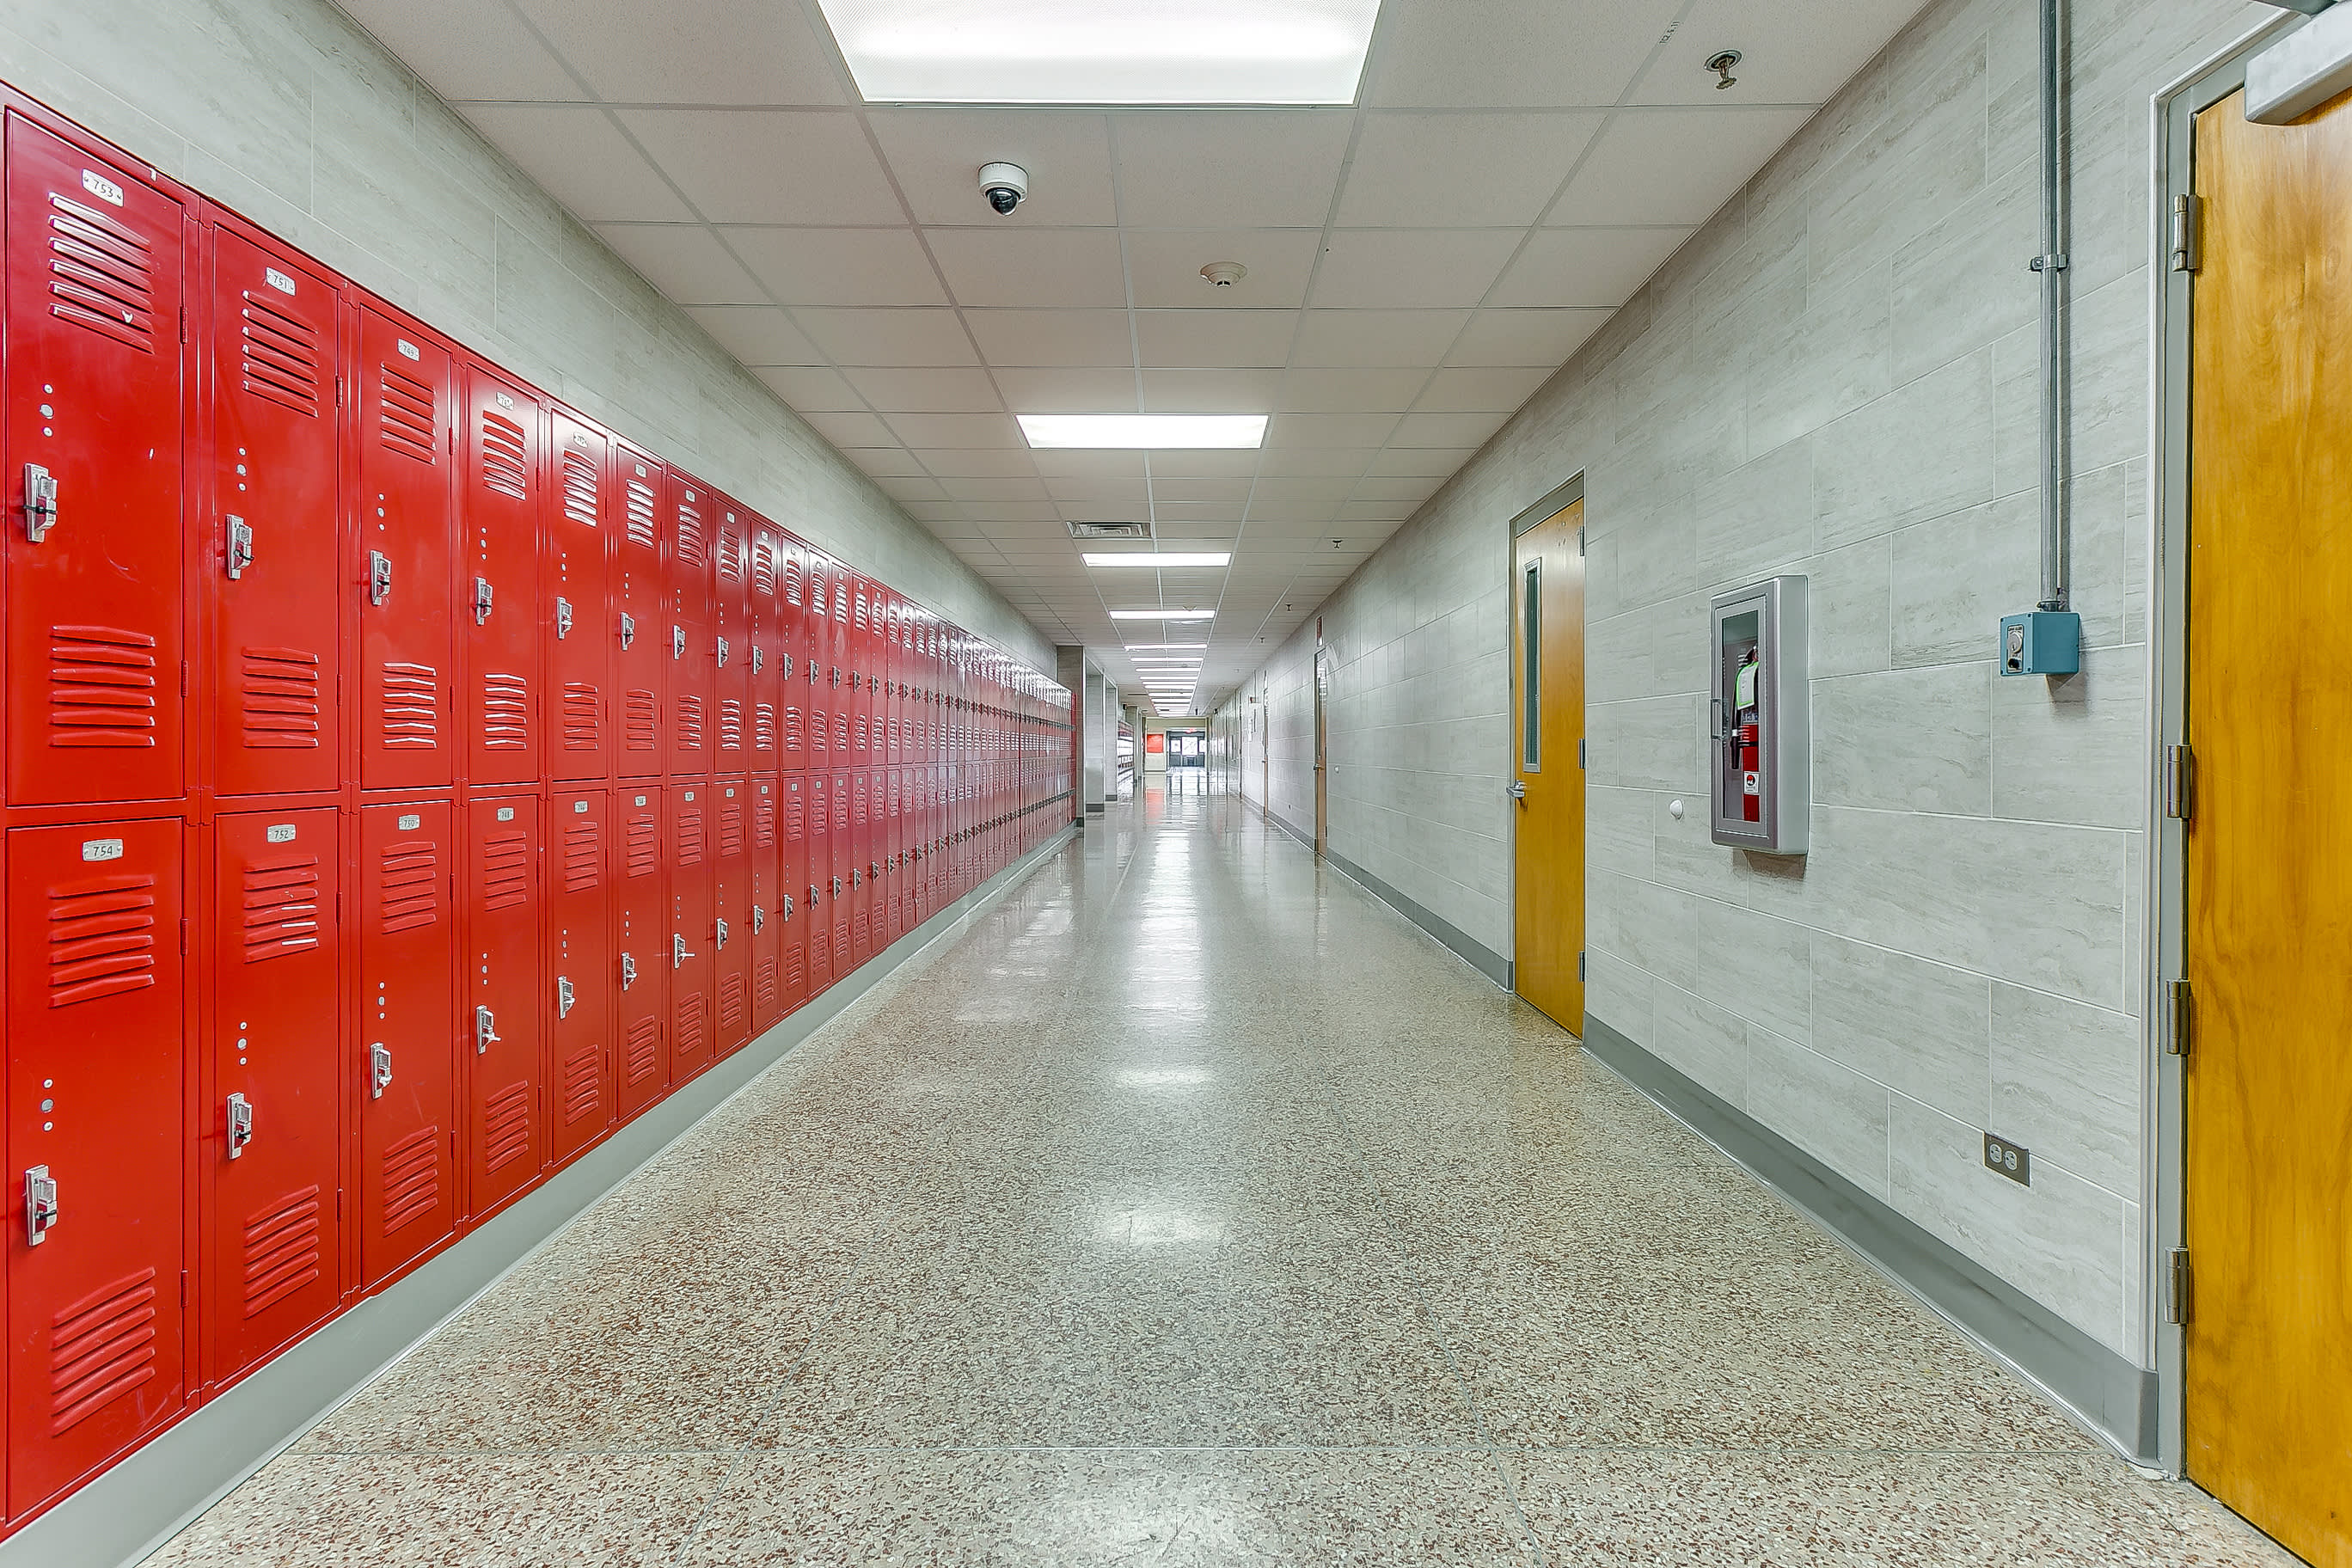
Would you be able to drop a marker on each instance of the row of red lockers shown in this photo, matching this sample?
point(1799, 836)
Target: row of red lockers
point(408, 782)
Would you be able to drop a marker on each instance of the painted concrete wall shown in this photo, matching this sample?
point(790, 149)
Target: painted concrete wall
point(1837, 378)
point(287, 112)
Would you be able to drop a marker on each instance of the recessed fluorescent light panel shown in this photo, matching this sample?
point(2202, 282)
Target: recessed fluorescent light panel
point(1156, 558)
point(1167, 648)
point(1143, 432)
point(1104, 51)
point(1164, 614)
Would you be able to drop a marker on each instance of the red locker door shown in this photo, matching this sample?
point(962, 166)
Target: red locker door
point(768, 887)
point(500, 595)
point(730, 933)
point(504, 1143)
point(273, 1145)
point(797, 895)
point(582, 997)
point(691, 670)
point(731, 624)
point(641, 961)
point(862, 882)
point(848, 851)
point(693, 907)
point(819, 915)
point(95, 273)
point(768, 639)
point(96, 1009)
point(273, 536)
point(405, 553)
point(407, 915)
point(579, 617)
point(640, 615)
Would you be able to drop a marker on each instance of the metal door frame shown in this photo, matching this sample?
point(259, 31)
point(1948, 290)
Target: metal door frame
point(1554, 501)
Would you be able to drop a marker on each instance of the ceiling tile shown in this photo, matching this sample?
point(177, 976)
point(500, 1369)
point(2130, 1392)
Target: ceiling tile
point(783, 166)
point(467, 50)
point(959, 430)
point(1526, 337)
point(1099, 487)
point(910, 337)
point(1070, 390)
point(1203, 465)
point(912, 491)
point(975, 463)
point(811, 389)
point(838, 265)
point(1271, 492)
point(1520, 52)
point(578, 157)
point(1329, 429)
point(1601, 266)
point(1377, 512)
point(1440, 462)
point(684, 261)
point(1316, 462)
point(1058, 267)
point(1461, 171)
point(1002, 489)
point(1209, 391)
point(1446, 430)
point(1460, 391)
point(1214, 339)
point(1403, 268)
point(1673, 166)
point(1375, 337)
point(1052, 337)
point(1372, 487)
point(937, 152)
point(1358, 391)
point(757, 334)
point(1228, 491)
point(1085, 464)
point(1230, 169)
point(712, 51)
point(1164, 268)
point(1793, 51)
point(936, 390)
point(885, 462)
point(848, 430)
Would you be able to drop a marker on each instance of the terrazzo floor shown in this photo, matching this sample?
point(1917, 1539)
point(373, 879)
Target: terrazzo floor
point(1193, 1208)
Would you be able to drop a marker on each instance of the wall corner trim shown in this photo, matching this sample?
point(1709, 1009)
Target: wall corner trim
point(2105, 1393)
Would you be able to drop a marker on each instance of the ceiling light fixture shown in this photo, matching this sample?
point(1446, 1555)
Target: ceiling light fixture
point(1143, 432)
point(1167, 648)
point(1105, 51)
point(1156, 558)
point(1164, 614)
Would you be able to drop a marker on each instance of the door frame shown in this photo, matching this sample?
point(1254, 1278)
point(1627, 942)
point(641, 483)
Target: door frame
point(1551, 504)
point(2163, 871)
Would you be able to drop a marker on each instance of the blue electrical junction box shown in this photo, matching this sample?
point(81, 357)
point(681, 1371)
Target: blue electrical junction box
point(2041, 642)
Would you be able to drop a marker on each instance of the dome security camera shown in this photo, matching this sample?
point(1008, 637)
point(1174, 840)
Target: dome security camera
point(1004, 185)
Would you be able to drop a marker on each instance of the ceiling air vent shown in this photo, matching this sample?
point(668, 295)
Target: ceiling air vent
point(1110, 530)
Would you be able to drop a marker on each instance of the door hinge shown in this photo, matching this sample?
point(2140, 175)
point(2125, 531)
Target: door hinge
point(184, 1287)
point(183, 323)
point(2177, 1298)
point(2179, 782)
point(1579, 539)
point(2176, 1019)
point(339, 1203)
point(1579, 751)
point(339, 403)
point(184, 936)
point(2188, 233)
point(1580, 966)
point(185, 677)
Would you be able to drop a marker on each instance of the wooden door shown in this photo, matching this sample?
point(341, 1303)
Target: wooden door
point(1322, 795)
point(1548, 757)
point(2268, 1157)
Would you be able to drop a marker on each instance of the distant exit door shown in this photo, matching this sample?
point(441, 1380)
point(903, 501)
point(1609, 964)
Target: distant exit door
point(1547, 780)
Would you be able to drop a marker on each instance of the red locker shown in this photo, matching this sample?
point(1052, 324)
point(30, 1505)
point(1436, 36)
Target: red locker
point(505, 1142)
point(641, 962)
point(821, 898)
point(731, 932)
point(272, 678)
point(96, 275)
point(691, 670)
point(768, 890)
point(640, 615)
point(580, 621)
point(407, 917)
point(693, 908)
point(794, 879)
point(847, 850)
point(405, 555)
point(505, 431)
point(769, 621)
point(864, 885)
point(273, 1146)
point(731, 641)
point(97, 1004)
point(583, 994)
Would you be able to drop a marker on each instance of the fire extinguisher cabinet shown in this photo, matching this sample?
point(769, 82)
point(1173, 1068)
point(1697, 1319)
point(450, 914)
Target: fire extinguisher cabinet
point(1760, 719)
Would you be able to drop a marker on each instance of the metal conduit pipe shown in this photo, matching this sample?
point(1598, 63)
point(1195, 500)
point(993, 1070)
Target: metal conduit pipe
point(2051, 264)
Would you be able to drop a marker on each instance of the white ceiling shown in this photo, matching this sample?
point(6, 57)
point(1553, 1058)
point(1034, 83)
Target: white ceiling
point(1418, 264)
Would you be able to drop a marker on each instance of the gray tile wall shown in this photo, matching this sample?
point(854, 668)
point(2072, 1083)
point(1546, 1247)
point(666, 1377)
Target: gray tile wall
point(1836, 378)
point(285, 110)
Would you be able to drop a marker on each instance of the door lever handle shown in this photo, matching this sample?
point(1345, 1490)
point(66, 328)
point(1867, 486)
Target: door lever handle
point(1519, 789)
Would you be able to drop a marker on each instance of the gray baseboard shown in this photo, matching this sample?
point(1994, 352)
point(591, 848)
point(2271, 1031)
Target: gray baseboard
point(1468, 948)
point(2111, 1397)
point(150, 1495)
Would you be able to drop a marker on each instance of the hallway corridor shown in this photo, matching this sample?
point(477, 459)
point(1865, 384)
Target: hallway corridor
point(1191, 1207)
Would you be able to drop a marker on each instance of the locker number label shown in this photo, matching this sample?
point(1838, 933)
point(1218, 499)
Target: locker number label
point(281, 833)
point(102, 187)
point(505, 814)
point(411, 822)
point(277, 280)
point(580, 805)
point(101, 849)
point(407, 349)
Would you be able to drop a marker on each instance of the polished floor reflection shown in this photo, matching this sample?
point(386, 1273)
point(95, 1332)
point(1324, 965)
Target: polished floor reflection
point(1191, 1209)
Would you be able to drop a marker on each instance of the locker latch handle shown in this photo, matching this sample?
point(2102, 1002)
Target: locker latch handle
point(379, 1069)
point(678, 954)
point(629, 970)
point(837, 887)
point(379, 577)
point(486, 1029)
point(787, 911)
point(562, 996)
point(722, 653)
point(756, 661)
point(562, 618)
point(40, 514)
point(628, 629)
point(40, 1205)
point(812, 893)
point(240, 546)
point(720, 928)
point(678, 642)
point(758, 919)
point(240, 1124)
point(481, 601)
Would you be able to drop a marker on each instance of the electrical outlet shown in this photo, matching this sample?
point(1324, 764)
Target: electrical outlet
point(2012, 1160)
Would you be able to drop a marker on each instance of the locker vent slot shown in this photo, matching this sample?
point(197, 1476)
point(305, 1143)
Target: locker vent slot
point(506, 459)
point(639, 520)
point(840, 943)
point(505, 712)
point(841, 731)
point(409, 705)
point(841, 602)
point(100, 275)
point(583, 857)
point(792, 727)
point(644, 1048)
point(730, 724)
point(411, 898)
point(101, 1348)
point(689, 837)
point(731, 998)
point(583, 717)
point(763, 726)
point(506, 871)
point(861, 732)
point(580, 487)
point(730, 548)
point(282, 909)
point(101, 686)
point(582, 1094)
point(281, 1251)
point(795, 965)
point(640, 719)
point(763, 822)
point(766, 995)
point(280, 697)
point(731, 830)
point(101, 939)
point(280, 356)
point(820, 731)
point(764, 571)
point(412, 1178)
point(406, 416)
point(795, 819)
point(688, 549)
point(644, 848)
point(506, 1127)
point(687, 1035)
point(861, 934)
point(792, 581)
point(689, 722)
